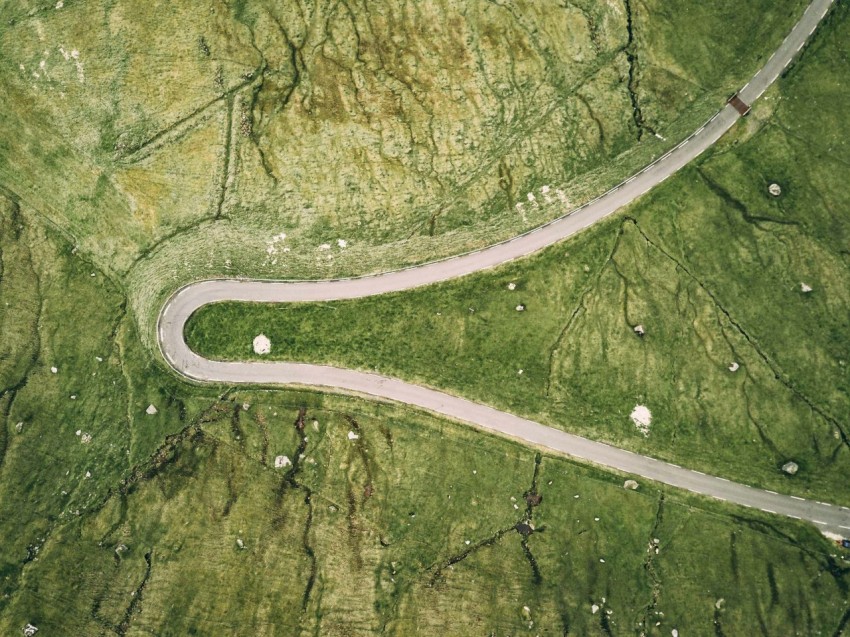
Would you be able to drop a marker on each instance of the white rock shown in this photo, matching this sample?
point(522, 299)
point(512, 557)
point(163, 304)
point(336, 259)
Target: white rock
point(520, 307)
point(240, 543)
point(642, 418)
point(282, 461)
point(151, 410)
point(512, 286)
point(78, 432)
point(98, 359)
point(805, 288)
point(246, 406)
point(640, 330)
point(19, 427)
point(630, 484)
point(733, 366)
point(55, 370)
point(85, 439)
point(262, 344)
point(88, 474)
point(29, 629)
point(774, 189)
point(594, 609)
point(352, 435)
point(342, 243)
point(674, 632)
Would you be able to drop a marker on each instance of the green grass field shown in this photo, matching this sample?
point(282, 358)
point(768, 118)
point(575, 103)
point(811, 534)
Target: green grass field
point(710, 264)
point(152, 148)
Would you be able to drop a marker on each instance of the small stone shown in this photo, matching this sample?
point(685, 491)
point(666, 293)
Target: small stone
point(88, 474)
point(512, 286)
point(733, 366)
point(520, 307)
point(790, 467)
point(19, 427)
point(282, 461)
point(98, 359)
point(675, 633)
point(719, 603)
point(54, 370)
point(805, 288)
point(30, 630)
point(352, 435)
point(774, 189)
point(240, 543)
point(262, 344)
point(246, 406)
point(640, 330)
point(151, 410)
point(85, 438)
point(630, 484)
point(594, 609)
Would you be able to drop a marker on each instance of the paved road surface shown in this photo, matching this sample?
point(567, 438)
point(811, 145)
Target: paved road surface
point(180, 307)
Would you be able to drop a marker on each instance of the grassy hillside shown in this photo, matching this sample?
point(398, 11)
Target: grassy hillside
point(159, 142)
point(710, 264)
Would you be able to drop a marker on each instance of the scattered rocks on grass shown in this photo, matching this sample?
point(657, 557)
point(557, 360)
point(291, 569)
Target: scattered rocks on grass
point(151, 410)
point(774, 189)
point(640, 330)
point(282, 461)
point(642, 418)
point(790, 467)
point(733, 366)
point(805, 288)
point(262, 344)
point(630, 484)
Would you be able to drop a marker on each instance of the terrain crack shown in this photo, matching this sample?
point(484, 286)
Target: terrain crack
point(581, 306)
point(777, 372)
point(290, 482)
point(738, 205)
point(523, 526)
point(652, 549)
point(134, 608)
point(631, 56)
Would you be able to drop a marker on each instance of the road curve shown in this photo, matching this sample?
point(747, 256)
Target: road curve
point(187, 300)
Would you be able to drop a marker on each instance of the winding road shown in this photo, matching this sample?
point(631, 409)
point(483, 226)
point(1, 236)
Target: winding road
point(187, 300)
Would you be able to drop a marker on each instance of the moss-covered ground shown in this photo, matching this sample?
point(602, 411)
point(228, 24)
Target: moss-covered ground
point(157, 143)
